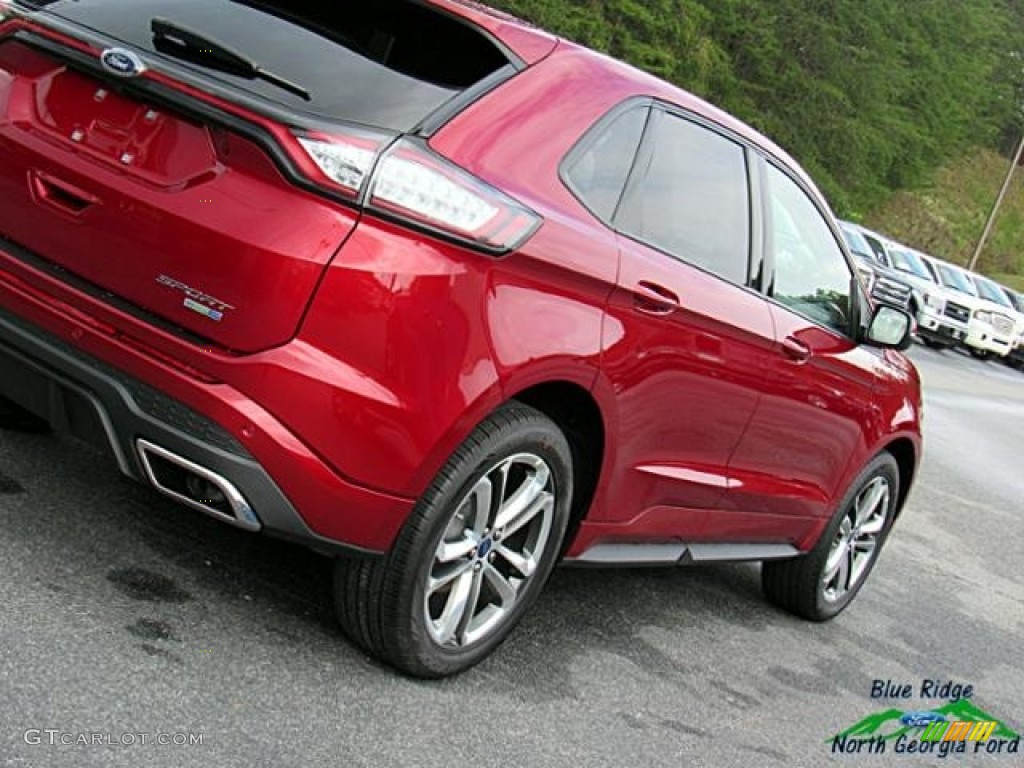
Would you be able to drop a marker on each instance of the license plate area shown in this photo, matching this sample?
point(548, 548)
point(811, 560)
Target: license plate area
point(155, 146)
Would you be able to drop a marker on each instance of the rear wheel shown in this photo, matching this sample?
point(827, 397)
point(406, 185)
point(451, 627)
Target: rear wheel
point(474, 555)
point(820, 584)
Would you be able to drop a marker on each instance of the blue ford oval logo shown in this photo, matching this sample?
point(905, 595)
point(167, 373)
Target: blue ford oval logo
point(122, 63)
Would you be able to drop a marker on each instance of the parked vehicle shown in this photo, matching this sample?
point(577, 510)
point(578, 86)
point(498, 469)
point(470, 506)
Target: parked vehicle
point(878, 244)
point(1016, 356)
point(990, 330)
point(883, 283)
point(942, 316)
point(427, 288)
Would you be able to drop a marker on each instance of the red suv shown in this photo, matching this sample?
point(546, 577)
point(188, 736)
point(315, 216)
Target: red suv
point(429, 289)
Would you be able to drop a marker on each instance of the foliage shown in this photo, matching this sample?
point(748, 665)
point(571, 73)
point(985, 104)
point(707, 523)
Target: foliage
point(945, 217)
point(871, 96)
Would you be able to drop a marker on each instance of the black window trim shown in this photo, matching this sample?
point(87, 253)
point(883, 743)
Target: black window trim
point(858, 301)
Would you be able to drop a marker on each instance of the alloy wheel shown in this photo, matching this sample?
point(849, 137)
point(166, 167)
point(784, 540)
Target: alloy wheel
point(490, 550)
point(856, 542)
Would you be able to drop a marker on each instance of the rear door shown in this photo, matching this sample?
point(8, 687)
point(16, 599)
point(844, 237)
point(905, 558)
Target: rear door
point(811, 423)
point(686, 337)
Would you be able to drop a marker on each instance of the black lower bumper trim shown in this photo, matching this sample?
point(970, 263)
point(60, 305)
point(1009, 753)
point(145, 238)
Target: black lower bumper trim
point(89, 399)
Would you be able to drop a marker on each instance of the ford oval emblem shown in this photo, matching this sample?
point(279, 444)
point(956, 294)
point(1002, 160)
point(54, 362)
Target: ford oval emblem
point(122, 63)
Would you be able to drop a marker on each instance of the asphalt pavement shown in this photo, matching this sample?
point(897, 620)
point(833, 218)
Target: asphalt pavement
point(126, 621)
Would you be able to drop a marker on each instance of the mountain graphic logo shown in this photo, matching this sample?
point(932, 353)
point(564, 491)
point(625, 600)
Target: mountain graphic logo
point(887, 726)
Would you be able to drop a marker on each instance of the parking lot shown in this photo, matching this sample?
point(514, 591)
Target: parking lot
point(125, 614)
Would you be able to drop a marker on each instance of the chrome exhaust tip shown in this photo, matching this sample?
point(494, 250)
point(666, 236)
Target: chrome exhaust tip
point(195, 486)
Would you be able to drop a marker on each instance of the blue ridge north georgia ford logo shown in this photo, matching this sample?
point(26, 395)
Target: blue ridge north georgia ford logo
point(122, 63)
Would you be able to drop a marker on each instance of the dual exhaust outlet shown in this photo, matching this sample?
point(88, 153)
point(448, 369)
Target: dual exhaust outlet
point(196, 486)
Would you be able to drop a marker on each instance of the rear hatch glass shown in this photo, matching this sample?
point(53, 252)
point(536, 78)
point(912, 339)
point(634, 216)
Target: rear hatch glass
point(386, 63)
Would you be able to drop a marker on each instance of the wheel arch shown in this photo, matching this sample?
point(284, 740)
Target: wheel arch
point(902, 449)
point(578, 414)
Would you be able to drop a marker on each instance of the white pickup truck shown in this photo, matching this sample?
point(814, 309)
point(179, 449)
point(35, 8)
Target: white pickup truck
point(992, 325)
point(941, 312)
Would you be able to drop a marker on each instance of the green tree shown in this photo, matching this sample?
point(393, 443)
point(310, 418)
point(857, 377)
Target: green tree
point(870, 95)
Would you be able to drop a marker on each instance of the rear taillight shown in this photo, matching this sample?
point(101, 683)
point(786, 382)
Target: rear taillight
point(409, 182)
point(415, 184)
point(341, 163)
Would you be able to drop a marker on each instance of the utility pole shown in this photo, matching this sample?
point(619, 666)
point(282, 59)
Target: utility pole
point(995, 208)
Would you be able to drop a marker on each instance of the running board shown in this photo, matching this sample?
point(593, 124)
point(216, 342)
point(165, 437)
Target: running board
point(662, 553)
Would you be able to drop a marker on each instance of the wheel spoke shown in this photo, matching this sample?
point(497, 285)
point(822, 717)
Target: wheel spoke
point(472, 601)
point(482, 497)
point(455, 609)
point(525, 563)
point(523, 500)
point(859, 564)
point(509, 522)
point(864, 545)
point(843, 576)
point(832, 565)
point(874, 525)
point(502, 488)
point(838, 552)
point(447, 551)
point(504, 589)
point(868, 502)
point(447, 576)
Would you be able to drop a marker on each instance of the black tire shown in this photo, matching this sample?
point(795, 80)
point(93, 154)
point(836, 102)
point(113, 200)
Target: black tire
point(933, 344)
point(798, 585)
point(980, 354)
point(14, 418)
point(383, 604)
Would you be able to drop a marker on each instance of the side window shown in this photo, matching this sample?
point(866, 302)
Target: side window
point(811, 274)
point(598, 174)
point(879, 250)
point(691, 198)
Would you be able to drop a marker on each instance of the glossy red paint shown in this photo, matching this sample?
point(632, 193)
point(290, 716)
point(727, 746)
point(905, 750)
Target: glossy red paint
point(359, 353)
point(208, 213)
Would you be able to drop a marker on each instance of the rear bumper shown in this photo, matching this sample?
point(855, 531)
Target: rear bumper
point(97, 402)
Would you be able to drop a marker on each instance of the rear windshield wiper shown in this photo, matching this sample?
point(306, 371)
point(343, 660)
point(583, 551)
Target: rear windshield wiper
point(182, 43)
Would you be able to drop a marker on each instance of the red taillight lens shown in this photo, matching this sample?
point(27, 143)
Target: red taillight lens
point(413, 183)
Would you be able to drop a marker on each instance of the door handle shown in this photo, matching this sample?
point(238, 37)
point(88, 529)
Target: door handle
point(56, 193)
point(653, 299)
point(796, 350)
